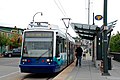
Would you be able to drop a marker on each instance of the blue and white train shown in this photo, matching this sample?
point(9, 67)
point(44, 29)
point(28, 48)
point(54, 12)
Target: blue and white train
point(45, 49)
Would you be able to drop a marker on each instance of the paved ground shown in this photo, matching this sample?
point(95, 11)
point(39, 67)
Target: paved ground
point(89, 72)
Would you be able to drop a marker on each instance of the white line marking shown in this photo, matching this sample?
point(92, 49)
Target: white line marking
point(9, 74)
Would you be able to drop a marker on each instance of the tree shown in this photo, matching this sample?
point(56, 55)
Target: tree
point(16, 40)
point(115, 43)
point(4, 40)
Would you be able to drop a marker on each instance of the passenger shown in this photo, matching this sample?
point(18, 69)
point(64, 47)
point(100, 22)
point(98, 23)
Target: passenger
point(78, 54)
point(84, 56)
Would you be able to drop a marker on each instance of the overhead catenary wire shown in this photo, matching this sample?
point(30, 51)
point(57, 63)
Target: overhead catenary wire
point(60, 8)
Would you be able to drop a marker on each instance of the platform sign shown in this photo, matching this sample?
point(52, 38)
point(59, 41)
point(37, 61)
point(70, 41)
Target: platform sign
point(98, 17)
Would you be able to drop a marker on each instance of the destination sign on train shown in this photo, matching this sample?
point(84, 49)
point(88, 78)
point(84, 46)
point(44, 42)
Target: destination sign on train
point(38, 34)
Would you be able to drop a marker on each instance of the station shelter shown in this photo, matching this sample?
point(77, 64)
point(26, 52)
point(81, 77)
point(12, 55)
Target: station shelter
point(94, 35)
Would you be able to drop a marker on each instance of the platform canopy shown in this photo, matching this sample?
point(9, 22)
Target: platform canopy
point(85, 31)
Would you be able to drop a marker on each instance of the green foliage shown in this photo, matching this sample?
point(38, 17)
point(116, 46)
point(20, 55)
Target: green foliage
point(115, 43)
point(14, 41)
point(4, 40)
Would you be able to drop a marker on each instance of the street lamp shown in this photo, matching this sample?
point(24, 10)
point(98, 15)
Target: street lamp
point(67, 26)
point(36, 14)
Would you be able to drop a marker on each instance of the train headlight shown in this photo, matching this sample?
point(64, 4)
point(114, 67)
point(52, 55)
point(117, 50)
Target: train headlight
point(48, 60)
point(24, 60)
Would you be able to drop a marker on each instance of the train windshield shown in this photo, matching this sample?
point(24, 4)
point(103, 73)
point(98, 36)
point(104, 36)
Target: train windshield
point(38, 44)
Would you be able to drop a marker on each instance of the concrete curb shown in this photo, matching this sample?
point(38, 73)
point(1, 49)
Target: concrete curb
point(65, 72)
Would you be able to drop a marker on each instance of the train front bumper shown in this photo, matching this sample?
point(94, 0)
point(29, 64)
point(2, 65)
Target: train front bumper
point(39, 68)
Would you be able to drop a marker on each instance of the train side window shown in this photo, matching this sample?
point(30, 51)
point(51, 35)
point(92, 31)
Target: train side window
point(60, 45)
point(57, 47)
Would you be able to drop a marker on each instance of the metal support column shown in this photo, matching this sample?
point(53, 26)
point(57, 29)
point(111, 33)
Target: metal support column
point(105, 59)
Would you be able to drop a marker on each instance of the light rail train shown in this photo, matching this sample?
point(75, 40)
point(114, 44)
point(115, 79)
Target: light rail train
point(45, 49)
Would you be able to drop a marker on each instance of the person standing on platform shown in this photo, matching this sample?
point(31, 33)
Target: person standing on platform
point(78, 54)
point(84, 54)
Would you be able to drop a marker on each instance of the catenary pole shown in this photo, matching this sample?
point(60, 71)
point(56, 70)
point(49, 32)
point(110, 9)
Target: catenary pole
point(105, 41)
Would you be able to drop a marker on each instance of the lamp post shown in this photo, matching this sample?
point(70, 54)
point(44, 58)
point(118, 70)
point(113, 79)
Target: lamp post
point(36, 14)
point(67, 26)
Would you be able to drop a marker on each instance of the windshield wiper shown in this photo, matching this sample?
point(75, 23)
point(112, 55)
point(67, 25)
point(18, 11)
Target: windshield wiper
point(49, 49)
point(43, 53)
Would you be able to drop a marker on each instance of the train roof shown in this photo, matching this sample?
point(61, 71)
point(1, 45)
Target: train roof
point(49, 27)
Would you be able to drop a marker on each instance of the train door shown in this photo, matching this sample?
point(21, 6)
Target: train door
point(61, 50)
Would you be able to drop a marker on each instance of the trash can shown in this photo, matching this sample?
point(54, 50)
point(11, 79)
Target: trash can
point(109, 63)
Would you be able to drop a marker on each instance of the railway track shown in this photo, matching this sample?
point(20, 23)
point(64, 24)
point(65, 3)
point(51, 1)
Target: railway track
point(38, 76)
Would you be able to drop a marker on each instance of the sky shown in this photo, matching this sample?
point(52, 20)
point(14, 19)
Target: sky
point(20, 12)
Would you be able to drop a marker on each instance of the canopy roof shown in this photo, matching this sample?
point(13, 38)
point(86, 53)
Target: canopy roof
point(85, 31)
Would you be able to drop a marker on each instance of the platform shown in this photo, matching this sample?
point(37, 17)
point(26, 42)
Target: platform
point(88, 71)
